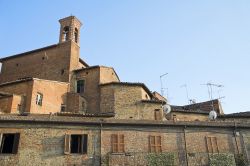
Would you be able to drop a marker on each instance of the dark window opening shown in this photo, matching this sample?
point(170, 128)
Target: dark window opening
point(63, 108)
point(80, 86)
point(9, 143)
point(62, 71)
point(66, 33)
point(79, 143)
point(76, 35)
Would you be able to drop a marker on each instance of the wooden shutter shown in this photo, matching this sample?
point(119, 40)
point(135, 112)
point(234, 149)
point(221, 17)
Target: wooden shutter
point(158, 143)
point(67, 142)
point(114, 143)
point(151, 144)
point(84, 144)
point(157, 114)
point(121, 143)
point(155, 144)
point(16, 143)
point(212, 145)
point(215, 145)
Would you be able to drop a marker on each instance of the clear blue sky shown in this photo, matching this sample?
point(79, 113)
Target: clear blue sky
point(194, 41)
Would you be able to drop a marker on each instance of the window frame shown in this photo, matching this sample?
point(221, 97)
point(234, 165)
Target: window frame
point(39, 99)
point(63, 108)
point(15, 143)
point(155, 143)
point(82, 144)
point(157, 114)
point(81, 90)
point(212, 144)
point(117, 143)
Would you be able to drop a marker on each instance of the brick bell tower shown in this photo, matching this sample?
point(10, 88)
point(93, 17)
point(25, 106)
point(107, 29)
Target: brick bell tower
point(70, 30)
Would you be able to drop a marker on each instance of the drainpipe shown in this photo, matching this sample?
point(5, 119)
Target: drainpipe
point(184, 132)
point(235, 134)
point(101, 142)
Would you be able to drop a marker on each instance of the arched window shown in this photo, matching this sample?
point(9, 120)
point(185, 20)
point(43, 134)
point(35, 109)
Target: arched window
point(66, 33)
point(76, 35)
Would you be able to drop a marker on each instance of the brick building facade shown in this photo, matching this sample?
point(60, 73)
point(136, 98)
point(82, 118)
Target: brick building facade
point(55, 109)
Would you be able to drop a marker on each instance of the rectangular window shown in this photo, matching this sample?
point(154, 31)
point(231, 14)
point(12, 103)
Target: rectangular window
point(39, 99)
point(158, 114)
point(80, 86)
point(155, 144)
point(76, 143)
point(212, 145)
point(63, 108)
point(117, 143)
point(9, 143)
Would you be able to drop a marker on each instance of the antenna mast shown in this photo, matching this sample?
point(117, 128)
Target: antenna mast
point(162, 89)
point(210, 90)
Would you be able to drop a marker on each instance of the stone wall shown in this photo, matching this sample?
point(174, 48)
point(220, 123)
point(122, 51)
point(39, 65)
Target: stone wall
point(126, 102)
point(43, 143)
point(45, 146)
point(187, 116)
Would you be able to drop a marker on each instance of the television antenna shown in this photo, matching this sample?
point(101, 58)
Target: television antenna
point(162, 89)
point(210, 88)
point(210, 94)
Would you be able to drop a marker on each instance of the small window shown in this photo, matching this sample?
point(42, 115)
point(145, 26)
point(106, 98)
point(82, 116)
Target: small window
point(80, 86)
point(158, 114)
point(9, 143)
point(117, 143)
point(66, 33)
point(62, 71)
point(76, 35)
point(39, 99)
point(212, 146)
point(155, 144)
point(63, 108)
point(76, 143)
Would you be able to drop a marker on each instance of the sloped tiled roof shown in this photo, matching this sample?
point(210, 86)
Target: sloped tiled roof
point(203, 107)
point(237, 115)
